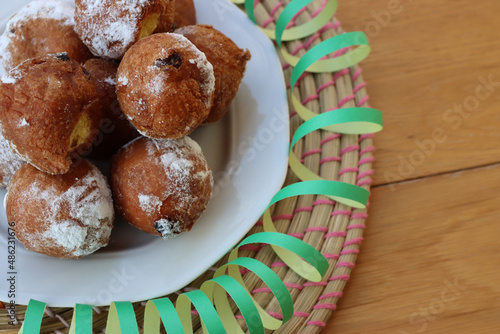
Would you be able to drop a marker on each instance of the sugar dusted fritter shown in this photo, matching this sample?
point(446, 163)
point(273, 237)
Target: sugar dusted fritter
point(161, 186)
point(228, 60)
point(165, 86)
point(49, 111)
point(41, 28)
point(110, 27)
point(65, 216)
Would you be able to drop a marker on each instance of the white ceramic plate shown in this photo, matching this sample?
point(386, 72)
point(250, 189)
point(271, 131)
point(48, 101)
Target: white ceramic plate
point(247, 151)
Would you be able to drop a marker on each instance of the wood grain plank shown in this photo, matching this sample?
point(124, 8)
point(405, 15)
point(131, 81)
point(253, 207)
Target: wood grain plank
point(429, 262)
point(426, 63)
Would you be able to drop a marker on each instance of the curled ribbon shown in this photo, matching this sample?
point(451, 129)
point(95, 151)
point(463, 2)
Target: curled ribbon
point(211, 301)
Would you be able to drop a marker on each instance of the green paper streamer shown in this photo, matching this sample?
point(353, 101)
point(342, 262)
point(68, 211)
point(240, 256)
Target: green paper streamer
point(81, 322)
point(211, 321)
point(161, 309)
point(121, 319)
point(303, 30)
point(269, 277)
point(304, 259)
point(217, 290)
point(33, 317)
point(346, 120)
point(312, 62)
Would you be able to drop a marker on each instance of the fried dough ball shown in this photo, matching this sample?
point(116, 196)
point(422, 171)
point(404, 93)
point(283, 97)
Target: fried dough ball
point(41, 28)
point(166, 20)
point(115, 129)
point(165, 86)
point(9, 163)
point(228, 60)
point(111, 27)
point(185, 13)
point(49, 111)
point(161, 186)
point(65, 216)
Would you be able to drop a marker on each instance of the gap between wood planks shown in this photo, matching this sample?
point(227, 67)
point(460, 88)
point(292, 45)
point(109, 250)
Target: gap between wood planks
point(423, 177)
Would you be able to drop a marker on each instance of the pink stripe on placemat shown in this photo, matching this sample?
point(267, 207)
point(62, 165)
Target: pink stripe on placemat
point(365, 136)
point(331, 256)
point(348, 170)
point(366, 160)
point(297, 235)
point(308, 153)
point(310, 98)
point(348, 149)
point(329, 138)
point(330, 159)
point(272, 12)
point(340, 73)
point(316, 323)
point(359, 87)
point(355, 241)
point(304, 209)
point(356, 74)
point(356, 226)
point(363, 100)
point(323, 5)
point(338, 234)
point(275, 315)
point(259, 290)
point(301, 314)
point(282, 217)
point(332, 307)
point(341, 213)
point(336, 294)
point(315, 284)
point(325, 85)
point(366, 150)
point(365, 174)
point(359, 215)
point(293, 286)
point(333, 81)
point(349, 251)
point(278, 264)
point(364, 182)
point(324, 201)
point(345, 264)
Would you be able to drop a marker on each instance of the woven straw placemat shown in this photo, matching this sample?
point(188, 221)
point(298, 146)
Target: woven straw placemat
point(334, 229)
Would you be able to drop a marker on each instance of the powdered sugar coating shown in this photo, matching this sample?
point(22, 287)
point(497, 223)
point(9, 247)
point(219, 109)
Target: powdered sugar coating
point(149, 203)
point(77, 221)
point(161, 186)
point(165, 86)
point(206, 68)
point(45, 9)
point(9, 163)
point(178, 165)
point(110, 27)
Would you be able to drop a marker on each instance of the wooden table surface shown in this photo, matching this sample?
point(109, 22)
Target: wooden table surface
point(430, 259)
